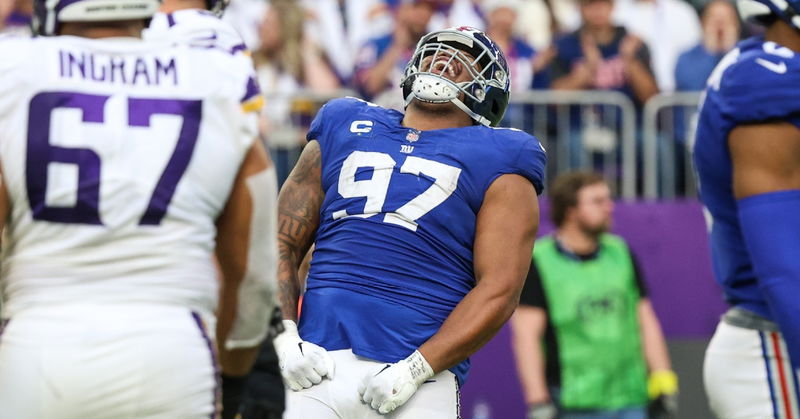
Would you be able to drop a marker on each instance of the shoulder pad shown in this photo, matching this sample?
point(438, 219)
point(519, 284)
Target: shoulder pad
point(761, 85)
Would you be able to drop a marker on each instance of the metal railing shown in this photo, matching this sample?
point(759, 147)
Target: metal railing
point(601, 123)
point(613, 113)
point(668, 134)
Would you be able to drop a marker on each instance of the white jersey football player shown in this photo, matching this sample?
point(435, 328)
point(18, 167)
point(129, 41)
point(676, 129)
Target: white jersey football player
point(126, 165)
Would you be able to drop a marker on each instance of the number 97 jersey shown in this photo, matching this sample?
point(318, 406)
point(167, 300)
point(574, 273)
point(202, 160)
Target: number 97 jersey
point(398, 222)
point(118, 156)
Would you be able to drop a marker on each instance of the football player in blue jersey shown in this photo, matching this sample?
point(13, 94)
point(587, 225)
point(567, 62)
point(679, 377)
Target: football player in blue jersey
point(747, 156)
point(423, 224)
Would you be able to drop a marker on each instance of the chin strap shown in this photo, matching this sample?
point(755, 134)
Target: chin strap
point(481, 120)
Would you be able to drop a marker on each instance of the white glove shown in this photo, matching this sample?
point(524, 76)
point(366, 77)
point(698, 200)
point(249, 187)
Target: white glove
point(395, 383)
point(302, 363)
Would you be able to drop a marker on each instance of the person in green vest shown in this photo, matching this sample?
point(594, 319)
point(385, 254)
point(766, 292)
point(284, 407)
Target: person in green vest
point(586, 340)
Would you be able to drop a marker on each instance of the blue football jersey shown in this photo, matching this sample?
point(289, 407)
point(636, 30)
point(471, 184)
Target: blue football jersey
point(393, 252)
point(756, 82)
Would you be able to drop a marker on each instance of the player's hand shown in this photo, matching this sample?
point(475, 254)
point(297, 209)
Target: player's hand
point(662, 387)
point(546, 410)
point(303, 364)
point(391, 386)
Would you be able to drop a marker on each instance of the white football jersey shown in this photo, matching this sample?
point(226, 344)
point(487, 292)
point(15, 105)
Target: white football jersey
point(118, 156)
point(199, 28)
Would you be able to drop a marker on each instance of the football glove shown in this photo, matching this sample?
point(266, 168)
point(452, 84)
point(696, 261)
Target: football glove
point(546, 410)
point(394, 384)
point(662, 387)
point(303, 364)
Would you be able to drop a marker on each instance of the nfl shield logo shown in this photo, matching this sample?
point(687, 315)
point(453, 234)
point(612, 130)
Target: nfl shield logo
point(412, 136)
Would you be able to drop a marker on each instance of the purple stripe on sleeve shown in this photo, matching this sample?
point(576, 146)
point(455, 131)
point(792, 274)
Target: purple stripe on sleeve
point(217, 377)
point(170, 20)
point(252, 90)
point(238, 48)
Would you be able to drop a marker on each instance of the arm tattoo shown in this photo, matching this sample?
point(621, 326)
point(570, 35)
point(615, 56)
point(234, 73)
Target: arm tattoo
point(298, 218)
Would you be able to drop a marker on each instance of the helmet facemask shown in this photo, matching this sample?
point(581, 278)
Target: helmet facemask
point(437, 54)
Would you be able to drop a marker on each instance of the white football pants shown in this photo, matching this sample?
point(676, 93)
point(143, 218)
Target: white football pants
point(338, 398)
point(747, 375)
point(103, 361)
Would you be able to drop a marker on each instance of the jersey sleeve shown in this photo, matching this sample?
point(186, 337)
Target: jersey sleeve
point(518, 153)
point(530, 163)
point(327, 116)
point(244, 94)
point(762, 88)
point(252, 100)
point(317, 128)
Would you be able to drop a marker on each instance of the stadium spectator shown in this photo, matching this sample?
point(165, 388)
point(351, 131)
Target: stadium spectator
point(246, 16)
point(15, 17)
point(602, 56)
point(501, 16)
point(541, 21)
point(524, 63)
point(599, 56)
point(341, 27)
point(451, 13)
point(381, 61)
point(586, 302)
point(196, 23)
point(668, 27)
point(720, 33)
point(287, 63)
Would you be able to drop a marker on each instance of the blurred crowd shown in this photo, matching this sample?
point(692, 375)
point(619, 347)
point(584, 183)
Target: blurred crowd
point(306, 51)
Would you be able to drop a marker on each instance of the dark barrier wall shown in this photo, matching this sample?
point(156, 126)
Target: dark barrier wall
point(670, 242)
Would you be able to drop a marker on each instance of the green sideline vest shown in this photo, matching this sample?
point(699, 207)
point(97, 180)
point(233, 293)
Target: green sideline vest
point(593, 307)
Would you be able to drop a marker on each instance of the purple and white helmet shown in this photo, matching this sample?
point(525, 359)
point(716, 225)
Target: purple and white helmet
point(48, 14)
point(485, 97)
